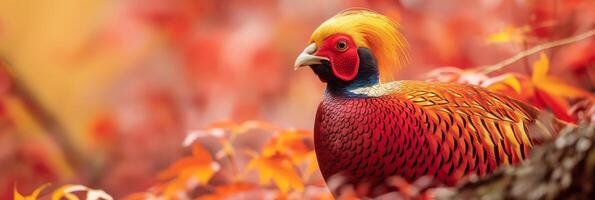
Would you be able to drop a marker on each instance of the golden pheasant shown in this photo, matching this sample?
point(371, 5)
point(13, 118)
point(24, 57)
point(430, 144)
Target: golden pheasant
point(367, 129)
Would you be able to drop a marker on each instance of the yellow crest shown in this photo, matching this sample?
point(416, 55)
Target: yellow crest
point(370, 30)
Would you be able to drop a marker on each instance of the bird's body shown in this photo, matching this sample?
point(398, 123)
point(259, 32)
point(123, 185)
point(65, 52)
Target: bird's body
point(413, 129)
point(366, 130)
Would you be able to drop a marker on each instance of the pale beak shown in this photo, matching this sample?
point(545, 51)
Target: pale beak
point(306, 58)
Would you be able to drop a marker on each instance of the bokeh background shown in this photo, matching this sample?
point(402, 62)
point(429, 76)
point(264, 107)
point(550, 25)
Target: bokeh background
point(103, 92)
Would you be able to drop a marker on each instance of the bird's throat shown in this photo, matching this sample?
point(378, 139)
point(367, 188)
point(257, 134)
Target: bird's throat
point(367, 76)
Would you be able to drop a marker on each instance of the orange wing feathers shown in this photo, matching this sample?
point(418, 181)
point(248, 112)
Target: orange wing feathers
point(469, 115)
point(469, 122)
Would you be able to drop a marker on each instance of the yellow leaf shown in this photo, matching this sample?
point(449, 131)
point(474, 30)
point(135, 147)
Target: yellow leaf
point(540, 68)
point(507, 80)
point(508, 35)
point(33, 196)
point(278, 168)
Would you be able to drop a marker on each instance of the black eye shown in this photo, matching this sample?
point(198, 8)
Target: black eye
point(342, 45)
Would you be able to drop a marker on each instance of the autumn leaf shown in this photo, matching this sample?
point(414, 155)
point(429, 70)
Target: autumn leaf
point(540, 68)
point(551, 91)
point(33, 196)
point(199, 167)
point(552, 84)
point(292, 143)
point(289, 142)
point(509, 35)
point(225, 132)
point(278, 168)
point(498, 83)
point(67, 191)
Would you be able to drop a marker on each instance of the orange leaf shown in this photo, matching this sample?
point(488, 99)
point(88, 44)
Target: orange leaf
point(278, 168)
point(552, 84)
point(199, 167)
point(33, 196)
point(558, 87)
point(289, 142)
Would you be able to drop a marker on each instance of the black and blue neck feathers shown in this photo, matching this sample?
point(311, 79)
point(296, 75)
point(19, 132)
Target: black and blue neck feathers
point(367, 76)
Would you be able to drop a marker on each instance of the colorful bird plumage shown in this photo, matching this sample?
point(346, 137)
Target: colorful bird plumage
point(367, 130)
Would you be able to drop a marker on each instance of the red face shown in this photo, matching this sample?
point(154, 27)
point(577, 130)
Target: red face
point(342, 54)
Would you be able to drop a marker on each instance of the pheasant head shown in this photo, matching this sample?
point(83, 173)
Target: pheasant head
point(355, 44)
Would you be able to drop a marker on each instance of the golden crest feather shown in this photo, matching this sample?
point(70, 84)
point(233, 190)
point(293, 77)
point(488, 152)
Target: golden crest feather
point(371, 30)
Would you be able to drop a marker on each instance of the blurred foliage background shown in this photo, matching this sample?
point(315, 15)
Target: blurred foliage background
point(103, 93)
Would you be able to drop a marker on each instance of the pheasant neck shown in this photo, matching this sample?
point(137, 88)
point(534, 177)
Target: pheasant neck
point(367, 76)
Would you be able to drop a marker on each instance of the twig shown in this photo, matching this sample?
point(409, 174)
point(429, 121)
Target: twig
point(56, 131)
point(498, 66)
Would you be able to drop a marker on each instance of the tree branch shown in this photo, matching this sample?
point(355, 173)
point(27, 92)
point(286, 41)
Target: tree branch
point(498, 66)
point(46, 119)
